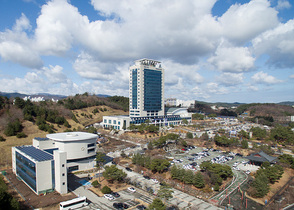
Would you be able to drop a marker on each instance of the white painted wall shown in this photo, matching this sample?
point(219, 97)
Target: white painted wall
point(60, 171)
point(43, 175)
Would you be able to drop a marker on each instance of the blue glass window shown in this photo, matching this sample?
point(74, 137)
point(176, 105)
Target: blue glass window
point(152, 90)
point(134, 89)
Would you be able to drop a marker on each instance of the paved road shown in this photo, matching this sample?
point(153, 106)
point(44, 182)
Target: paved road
point(239, 178)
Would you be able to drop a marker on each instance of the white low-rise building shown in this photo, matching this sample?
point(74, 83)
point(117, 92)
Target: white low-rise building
point(44, 165)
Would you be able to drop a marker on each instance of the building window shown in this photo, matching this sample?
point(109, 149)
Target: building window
point(62, 165)
point(91, 145)
point(63, 174)
point(109, 121)
point(114, 121)
point(105, 121)
point(63, 183)
point(118, 122)
point(91, 150)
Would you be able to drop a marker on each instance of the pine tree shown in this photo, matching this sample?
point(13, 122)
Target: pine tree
point(198, 180)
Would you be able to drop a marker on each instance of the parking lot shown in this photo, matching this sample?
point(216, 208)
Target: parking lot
point(193, 157)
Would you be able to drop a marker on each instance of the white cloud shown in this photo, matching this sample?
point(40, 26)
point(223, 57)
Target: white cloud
point(15, 45)
point(291, 76)
point(87, 67)
point(22, 24)
point(283, 4)
point(231, 79)
point(278, 43)
point(232, 59)
point(243, 22)
point(264, 78)
point(252, 88)
point(214, 88)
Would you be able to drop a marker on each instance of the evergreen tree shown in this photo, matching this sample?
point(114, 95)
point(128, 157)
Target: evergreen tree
point(157, 204)
point(165, 192)
point(198, 180)
point(188, 177)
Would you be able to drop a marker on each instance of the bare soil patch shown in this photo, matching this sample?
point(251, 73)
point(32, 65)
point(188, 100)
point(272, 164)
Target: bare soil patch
point(30, 198)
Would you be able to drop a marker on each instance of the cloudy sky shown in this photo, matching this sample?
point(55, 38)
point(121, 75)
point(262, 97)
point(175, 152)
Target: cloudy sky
point(212, 50)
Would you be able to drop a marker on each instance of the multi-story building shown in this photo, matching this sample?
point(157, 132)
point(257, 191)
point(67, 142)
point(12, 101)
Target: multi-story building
point(146, 95)
point(146, 89)
point(44, 165)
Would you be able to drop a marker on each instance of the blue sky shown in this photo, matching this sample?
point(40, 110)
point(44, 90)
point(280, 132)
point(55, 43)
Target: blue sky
point(212, 50)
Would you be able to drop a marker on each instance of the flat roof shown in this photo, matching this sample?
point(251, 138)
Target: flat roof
point(71, 136)
point(41, 139)
point(35, 153)
point(118, 116)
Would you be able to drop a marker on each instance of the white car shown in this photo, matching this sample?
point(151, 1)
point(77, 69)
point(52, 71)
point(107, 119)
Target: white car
point(132, 189)
point(108, 196)
point(154, 180)
point(247, 172)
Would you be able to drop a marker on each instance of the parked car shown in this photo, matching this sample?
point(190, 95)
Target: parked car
point(128, 169)
point(118, 205)
point(115, 194)
point(154, 180)
point(126, 206)
point(108, 196)
point(141, 207)
point(132, 189)
point(146, 177)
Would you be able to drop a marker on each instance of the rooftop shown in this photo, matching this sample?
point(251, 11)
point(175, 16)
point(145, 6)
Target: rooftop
point(261, 157)
point(71, 136)
point(36, 154)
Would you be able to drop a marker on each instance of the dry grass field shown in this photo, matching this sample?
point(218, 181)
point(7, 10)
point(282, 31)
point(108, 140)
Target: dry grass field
point(32, 131)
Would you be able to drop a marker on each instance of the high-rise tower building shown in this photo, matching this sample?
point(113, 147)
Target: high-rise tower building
point(146, 88)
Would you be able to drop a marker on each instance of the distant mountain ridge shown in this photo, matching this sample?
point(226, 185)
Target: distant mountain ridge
point(50, 96)
point(46, 96)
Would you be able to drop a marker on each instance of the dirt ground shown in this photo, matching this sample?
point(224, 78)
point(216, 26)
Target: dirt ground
point(115, 187)
point(28, 199)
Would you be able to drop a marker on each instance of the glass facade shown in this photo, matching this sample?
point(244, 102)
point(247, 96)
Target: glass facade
point(26, 169)
point(152, 90)
point(134, 89)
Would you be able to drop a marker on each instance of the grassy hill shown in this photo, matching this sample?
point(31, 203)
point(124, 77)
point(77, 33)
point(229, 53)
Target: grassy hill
point(40, 118)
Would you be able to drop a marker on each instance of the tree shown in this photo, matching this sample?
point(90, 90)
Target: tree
point(282, 134)
point(244, 134)
point(152, 128)
point(165, 192)
point(244, 144)
point(2, 138)
point(159, 165)
point(189, 135)
point(198, 180)
point(6, 199)
point(157, 204)
point(198, 116)
point(189, 177)
point(106, 190)
point(96, 184)
point(287, 159)
point(13, 128)
point(260, 186)
point(185, 121)
point(20, 103)
point(112, 173)
point(100, 160)
point(150, 146)
point(258, 132)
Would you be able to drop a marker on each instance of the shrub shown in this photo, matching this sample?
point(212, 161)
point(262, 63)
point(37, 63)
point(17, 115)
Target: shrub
point(96, 184)
point(106, 190)
point(2, 138)
point(21, 135)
